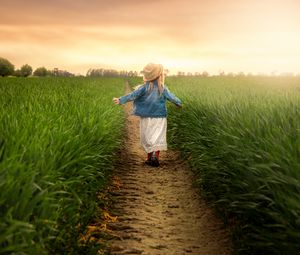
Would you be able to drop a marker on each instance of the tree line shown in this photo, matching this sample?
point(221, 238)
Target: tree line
point(110, 73)
point(8, 69)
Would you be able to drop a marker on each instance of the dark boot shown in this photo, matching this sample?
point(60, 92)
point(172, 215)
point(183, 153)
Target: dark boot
point(148, 161)
point(154, 160)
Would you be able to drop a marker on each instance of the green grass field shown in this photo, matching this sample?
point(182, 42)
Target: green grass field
point(58, 137)
point(242, 138)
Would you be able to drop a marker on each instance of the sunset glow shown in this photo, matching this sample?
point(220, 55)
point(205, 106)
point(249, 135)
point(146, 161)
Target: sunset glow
point(233, 36)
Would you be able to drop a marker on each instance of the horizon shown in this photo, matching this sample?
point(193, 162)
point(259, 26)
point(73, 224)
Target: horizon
point(214, 36)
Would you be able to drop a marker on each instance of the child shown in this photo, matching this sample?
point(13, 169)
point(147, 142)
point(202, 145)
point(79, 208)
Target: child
point(150, 104)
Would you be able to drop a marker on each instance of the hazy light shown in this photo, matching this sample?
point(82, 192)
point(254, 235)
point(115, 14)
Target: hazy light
point(234, 36)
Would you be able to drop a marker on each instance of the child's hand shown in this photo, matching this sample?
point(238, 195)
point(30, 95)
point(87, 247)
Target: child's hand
point(116, 100)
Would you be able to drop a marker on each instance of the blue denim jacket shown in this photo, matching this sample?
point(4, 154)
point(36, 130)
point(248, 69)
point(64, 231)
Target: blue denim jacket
point(150, 103)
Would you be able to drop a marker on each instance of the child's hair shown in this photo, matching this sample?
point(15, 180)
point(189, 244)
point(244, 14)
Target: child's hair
point(160, 82)
point(153, 72)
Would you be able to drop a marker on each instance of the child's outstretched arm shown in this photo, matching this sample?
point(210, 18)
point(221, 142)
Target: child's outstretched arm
point(172, 98)
point(131, 96)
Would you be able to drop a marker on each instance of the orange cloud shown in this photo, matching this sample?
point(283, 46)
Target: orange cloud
point(195, 35)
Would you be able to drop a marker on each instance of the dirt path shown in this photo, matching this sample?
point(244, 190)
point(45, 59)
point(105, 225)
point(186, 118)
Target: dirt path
point(158, 209)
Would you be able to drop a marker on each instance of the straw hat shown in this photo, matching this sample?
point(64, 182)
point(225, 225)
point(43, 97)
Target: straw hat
point(152, 71)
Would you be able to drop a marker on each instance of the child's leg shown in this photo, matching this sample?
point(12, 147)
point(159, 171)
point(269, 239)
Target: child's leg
point(157, 154)
point(151, 153)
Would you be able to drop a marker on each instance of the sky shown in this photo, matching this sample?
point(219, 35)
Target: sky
point(257, 36)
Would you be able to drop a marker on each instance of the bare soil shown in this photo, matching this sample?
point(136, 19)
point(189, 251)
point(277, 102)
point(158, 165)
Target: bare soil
point(158, 210)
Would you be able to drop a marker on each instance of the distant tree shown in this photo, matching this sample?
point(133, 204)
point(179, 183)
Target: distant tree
point(89, 72)
point(205, 74)
point(130, 73)
point(180, 73)
point(6, 68)
point(60, 73)
point(221, 72)
point(123, 73)
point(17, 73)
point(26, 70)
point(110, 73)
point(41, 71)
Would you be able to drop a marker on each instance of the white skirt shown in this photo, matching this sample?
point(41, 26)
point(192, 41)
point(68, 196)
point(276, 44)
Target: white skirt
point(153, 134)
